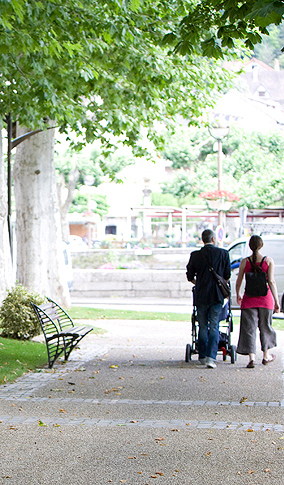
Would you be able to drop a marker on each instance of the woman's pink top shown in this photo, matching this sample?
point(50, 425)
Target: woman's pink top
point(258, 301)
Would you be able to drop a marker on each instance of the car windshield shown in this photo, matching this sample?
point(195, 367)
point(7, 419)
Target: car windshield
point(236, 253)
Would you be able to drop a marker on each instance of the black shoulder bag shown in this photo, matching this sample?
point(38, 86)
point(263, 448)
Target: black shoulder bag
point(256, 281)
point(220, 281)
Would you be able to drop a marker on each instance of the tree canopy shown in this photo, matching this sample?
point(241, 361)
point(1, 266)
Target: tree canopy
point(213, 28)
point(98, 67)
point(102, 68)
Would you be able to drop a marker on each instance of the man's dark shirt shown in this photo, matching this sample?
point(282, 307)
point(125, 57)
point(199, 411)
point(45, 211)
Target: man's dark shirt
point(206, 290)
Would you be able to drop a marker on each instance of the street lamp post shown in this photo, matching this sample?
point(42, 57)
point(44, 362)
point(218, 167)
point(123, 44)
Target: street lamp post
point(219, 130)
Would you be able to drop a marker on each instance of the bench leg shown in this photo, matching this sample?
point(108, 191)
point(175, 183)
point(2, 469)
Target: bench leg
point(69, 346)
point(54, 350)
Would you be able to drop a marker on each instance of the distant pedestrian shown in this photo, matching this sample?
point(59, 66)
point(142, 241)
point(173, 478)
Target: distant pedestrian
point(257, 311)
point(208, 298)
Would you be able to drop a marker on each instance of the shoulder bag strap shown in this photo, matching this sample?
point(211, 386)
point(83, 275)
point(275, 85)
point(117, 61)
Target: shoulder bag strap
point(260, 263)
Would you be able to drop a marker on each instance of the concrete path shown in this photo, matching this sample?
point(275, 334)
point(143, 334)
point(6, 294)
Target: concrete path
point(127, 409)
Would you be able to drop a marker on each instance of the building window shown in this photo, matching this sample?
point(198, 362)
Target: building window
point(110, 230)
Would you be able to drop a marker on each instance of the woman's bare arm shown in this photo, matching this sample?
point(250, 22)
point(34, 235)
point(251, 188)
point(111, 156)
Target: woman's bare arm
point(239, 280)
point(272, 283)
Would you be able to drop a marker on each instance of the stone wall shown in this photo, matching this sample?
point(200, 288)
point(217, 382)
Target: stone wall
point(130, 283)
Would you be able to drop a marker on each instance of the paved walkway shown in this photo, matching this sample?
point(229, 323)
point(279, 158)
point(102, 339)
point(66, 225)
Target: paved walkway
point(126, 408)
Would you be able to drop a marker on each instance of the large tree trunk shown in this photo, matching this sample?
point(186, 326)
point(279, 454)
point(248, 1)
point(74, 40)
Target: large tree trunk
point(5, 253)
point(40, 263)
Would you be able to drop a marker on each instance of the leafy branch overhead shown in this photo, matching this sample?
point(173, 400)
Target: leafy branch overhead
point(103, 68)
point(99, 68)
point(213, 28)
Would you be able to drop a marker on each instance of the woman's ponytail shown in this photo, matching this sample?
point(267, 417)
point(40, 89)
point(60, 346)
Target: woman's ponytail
point(255, 244)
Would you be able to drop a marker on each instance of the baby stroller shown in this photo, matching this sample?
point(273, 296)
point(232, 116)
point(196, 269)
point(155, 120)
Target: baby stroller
point(225, 329)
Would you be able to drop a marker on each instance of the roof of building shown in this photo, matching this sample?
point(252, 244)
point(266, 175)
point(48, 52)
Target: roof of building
point(270, 82)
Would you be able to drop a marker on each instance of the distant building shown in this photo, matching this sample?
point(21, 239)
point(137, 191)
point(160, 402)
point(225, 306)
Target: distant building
point(257, 101)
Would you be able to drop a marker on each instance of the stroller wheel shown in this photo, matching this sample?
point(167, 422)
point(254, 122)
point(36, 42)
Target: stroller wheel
point(233, 354)
point(188, 353)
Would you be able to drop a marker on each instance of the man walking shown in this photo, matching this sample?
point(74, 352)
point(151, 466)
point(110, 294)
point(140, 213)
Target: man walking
point(208, 298)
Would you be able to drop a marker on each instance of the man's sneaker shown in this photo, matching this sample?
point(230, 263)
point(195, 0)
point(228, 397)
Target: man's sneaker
point(211, 365)
point(203, 361)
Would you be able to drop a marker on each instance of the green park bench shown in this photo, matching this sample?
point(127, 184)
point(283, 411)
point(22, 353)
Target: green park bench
point(60, 333)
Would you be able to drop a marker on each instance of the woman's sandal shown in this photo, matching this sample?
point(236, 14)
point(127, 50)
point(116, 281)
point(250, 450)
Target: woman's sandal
point(251, 365)
point(265, 362)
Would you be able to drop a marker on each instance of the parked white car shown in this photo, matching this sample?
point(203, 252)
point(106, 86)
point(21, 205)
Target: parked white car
point(76, 243)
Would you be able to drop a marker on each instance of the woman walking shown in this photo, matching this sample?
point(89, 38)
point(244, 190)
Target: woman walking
point(257, 311)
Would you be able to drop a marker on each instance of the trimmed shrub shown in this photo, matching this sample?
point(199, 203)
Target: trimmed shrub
point(17, 317)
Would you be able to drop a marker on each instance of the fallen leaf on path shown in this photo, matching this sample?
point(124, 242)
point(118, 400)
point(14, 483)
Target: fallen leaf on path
point(41, 423)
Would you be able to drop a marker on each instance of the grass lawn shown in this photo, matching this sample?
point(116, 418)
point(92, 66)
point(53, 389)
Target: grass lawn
point(99, 314)
point(18, 357)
